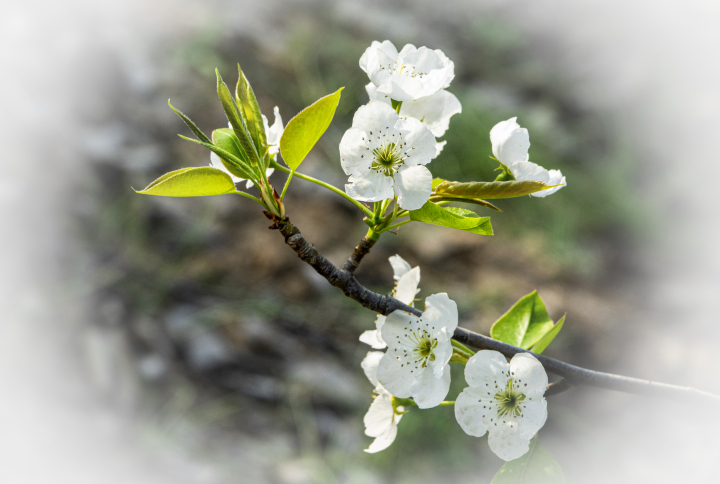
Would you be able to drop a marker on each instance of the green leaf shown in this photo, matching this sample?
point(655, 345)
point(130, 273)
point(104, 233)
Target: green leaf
point(436, 182)
point(496, 189)
point(453, 217)
point(538, 466)
point(225, 139)
point(524, 324)
point(240, 168)
point(549, 336)
point(236, 120)
point(305, 129)
point(246, 100)
point(190, 125)
point(475, 201)
point(191, 182)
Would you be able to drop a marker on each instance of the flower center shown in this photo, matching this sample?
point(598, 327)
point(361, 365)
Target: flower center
point(387, 159)
point(508, 400)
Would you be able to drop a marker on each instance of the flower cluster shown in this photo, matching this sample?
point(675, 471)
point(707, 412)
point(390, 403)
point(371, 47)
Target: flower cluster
point(505, 400)
point(393, 136)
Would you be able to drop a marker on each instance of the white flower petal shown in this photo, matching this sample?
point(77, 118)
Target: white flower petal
point(528, 374)
point(370, 54)
point(370, 365)
point(529, 171)
point(413, 185)
point(555, 178)
point(374, 95)
point(407, 49)
point(396, 327)
point(418, 142)
point(273, 133)
point(429, 390)
point(380, 415)
point(407, 286)
point(438, 148)
point(507, 443)
point(395, 378)
point(373, 338)
point(434, 111)
point(399, 88)
point(384, 440)
point(375, 116)
point(441, 312)
point(510, 142)
point(370, 186)
point(487, 370)
point(355, 157)
point(399, 265)
point(534, 416)
point(471, 406)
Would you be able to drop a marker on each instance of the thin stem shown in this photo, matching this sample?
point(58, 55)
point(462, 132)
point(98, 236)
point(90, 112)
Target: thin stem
point(395, 225)
point(447, 403)
point(359, 205)
point(287, 184)
point(247, 195)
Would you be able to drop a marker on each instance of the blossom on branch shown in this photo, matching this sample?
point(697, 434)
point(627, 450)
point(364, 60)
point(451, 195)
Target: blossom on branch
point(504, 399)
point(510, 144)
point(381, 420)
point(419, 349)
point(406, 287)
point(409, 74)
point(384, 156)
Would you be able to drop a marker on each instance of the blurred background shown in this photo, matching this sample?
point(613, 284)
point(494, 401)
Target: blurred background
point(153, 340)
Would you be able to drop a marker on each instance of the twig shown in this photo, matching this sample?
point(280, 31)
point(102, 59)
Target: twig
point(557, 387)
point(357, 256)
point(385, 304)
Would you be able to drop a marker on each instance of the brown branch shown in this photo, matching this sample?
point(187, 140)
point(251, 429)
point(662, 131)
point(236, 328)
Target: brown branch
point(357, 256)
point(385, 304)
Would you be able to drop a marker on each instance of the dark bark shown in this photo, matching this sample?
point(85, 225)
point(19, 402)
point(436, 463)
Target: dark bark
point(385, 304)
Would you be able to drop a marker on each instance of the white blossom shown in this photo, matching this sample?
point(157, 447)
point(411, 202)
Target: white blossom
point(274, 132)
point(419, 349)
point(406, 280)
point(215, 162)
point(384, 155)
point(434, 111)
point(504, 399)
point(381, 420)
point(510, 144)
point(409, 74)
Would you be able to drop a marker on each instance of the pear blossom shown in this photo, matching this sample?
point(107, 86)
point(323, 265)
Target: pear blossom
point(384, 155)
point(382, 419)
point(419, 349)
point(216, 162)
point(409, 74)
point(274, 132)
point(434, 111)
point(406, 280)
point(510, 144)
point(504, 399)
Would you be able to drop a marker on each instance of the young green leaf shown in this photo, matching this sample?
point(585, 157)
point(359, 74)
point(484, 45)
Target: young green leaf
point(436, 182)
point(191, 182)
point(524, 324)
point(236, 120)
point(201, 136)
point(305, 129)
point(548, 337)
point(496, 189)
point(476, 201)
point(455, 218)
point(235, 165)
point(225, 139)
point(538, 466)
point(247, 102)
